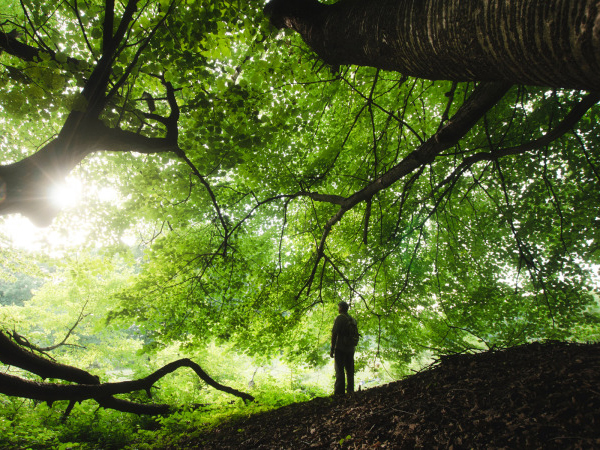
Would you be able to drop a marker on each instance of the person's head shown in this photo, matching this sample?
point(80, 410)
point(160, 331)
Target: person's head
point(343, 307)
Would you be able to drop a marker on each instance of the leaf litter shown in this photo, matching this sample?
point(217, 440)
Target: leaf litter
point(539, 395)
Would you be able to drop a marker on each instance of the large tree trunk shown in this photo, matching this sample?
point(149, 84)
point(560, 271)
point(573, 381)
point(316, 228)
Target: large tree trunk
point(553, 43)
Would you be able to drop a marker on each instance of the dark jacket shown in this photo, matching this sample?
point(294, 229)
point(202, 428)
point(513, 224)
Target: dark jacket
point(338, 342)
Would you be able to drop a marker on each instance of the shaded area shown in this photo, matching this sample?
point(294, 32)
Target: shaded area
point(531, 396)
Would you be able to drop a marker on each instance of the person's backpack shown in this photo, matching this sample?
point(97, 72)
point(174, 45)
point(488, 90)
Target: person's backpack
point(351, 332)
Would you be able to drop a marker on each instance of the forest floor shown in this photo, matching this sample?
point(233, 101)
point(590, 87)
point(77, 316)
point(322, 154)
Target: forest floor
point(532, 396)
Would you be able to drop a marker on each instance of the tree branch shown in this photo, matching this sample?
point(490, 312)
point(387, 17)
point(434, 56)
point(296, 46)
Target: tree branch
point(24, 342)
point(26, 52)
point(107, 35)
point(14, 355)
point(89, 386)
point(484, 97)
point(26, 182)
point(563, 127)
point(103, 393)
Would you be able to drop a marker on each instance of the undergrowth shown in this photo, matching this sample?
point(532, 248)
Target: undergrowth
point(27, 424)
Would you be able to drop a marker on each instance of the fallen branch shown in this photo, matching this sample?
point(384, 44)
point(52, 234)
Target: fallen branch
point(14, 355)
point(89, 386)
point(104, 393)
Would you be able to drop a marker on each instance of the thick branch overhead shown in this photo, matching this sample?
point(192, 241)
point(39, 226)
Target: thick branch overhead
point(458, 40)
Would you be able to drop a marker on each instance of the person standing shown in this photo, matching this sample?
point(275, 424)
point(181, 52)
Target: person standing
point(344, 337)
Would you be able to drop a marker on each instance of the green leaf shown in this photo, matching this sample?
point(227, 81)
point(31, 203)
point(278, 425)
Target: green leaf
point(61, 57)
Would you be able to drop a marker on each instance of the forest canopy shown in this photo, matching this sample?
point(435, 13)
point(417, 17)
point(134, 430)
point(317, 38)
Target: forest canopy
point(238, 180)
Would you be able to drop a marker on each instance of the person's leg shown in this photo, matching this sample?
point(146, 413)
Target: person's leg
point(349, 366)
point(339, 363)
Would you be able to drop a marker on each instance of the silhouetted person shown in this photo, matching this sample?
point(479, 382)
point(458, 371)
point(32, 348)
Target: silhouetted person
point(343, 343)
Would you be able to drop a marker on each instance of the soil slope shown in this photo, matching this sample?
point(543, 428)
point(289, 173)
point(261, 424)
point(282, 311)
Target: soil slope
point(531, 396)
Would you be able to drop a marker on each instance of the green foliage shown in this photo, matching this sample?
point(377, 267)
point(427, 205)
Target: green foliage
point(345, 440)
point(199, 407)
point(15, 292)
point(36, 426)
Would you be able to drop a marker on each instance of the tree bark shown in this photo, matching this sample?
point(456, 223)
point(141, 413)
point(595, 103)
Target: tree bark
point(13, 354)
point(554, 43)
point(89, 386)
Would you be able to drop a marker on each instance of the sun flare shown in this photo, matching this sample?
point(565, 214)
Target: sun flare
point(67, 194)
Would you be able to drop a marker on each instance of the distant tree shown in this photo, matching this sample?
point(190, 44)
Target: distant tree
point(17, 291)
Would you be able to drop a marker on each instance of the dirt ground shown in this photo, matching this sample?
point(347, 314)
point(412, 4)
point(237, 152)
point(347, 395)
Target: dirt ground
point(532, 396)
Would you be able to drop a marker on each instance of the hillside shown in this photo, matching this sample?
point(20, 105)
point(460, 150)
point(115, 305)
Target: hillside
point(531, 396)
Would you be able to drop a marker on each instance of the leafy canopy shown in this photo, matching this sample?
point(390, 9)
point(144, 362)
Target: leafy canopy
point(246, 239)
